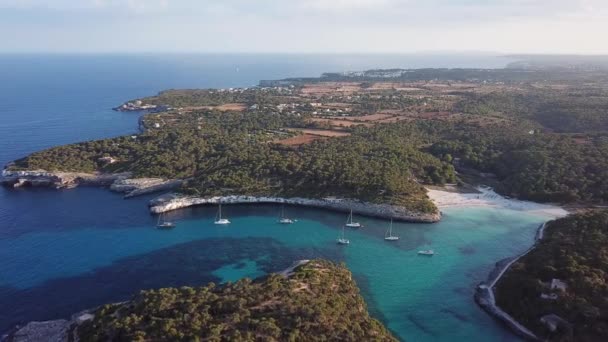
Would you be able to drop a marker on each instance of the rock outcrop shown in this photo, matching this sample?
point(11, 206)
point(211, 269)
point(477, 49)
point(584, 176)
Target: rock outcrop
point(140, 186)
point(59, 330)
point(175, 201)
point(137, 106)
point(51, 331)
point(58, 180)
point(119, 182)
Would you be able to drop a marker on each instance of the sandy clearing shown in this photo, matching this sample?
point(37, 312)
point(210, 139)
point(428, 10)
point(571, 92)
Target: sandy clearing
point(320, 132)
point(299, 140)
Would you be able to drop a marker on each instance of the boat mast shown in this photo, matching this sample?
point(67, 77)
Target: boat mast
point(390, 229)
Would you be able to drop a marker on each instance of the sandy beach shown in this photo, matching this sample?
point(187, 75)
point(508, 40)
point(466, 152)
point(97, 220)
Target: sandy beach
point(486, 197)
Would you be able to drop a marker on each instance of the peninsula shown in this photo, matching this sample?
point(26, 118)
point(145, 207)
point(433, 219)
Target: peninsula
point(314, 300)
point(372, 139)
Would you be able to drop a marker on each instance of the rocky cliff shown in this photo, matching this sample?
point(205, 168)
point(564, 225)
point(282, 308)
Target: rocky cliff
point(175, 201)
point(119, 182)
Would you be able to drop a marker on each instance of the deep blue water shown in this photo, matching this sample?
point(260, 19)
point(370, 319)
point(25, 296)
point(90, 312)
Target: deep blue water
point(64, 251)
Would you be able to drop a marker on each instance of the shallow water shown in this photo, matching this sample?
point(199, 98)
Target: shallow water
point(83, 264)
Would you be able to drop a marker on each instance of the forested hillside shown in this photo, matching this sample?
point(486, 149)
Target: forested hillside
point(233, 154)
point(577, 111)
point(319, 302)
point(373, 141)
point(575, 252)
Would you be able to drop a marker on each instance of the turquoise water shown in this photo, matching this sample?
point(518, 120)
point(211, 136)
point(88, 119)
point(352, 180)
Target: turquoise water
point(64, 251)
point(418, 298)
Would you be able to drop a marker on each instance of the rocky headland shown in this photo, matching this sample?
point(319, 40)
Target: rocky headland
point(139, 106)
point(118, 182)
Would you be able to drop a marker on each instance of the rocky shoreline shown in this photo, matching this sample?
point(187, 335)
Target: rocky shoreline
point(171, 202)
point(123, 183)
point(485, 297)
point(139, 106)
point(58, 330)
point(118, 182)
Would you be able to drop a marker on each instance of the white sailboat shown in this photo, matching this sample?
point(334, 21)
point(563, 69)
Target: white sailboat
point(162, 224)
point(283, 219)
point(350, 223)
point(428, 252)
point(388, 236)
point(342, 240)
point(219, 219)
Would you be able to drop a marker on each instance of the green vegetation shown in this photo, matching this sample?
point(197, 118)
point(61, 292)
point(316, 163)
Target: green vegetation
point(319, 302)
point(232, 153)
point(528, 158)
point(574, 250)
point(542, 140)
point(198, 97)
point(539, 167)
point(573, 111)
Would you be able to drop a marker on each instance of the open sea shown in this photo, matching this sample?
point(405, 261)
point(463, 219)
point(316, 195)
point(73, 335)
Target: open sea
point(65, 251)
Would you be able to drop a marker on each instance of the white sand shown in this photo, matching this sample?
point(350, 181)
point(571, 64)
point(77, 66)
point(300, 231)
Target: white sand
point(488, 198)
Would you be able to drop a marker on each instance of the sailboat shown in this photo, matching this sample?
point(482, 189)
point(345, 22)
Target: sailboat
point(162, 224)
point(388, 236)
point(341, 240)
point(350, 223)
point(219, 219)
point(283, 219)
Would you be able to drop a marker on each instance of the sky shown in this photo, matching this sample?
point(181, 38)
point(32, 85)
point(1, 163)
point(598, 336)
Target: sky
point(304, 26)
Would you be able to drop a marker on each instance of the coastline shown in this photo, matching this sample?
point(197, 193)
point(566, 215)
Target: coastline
point(486, 197)
point(131, 187)
point(486, 298)
point(117, 182)
point(64, 330)
point(171, 202)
